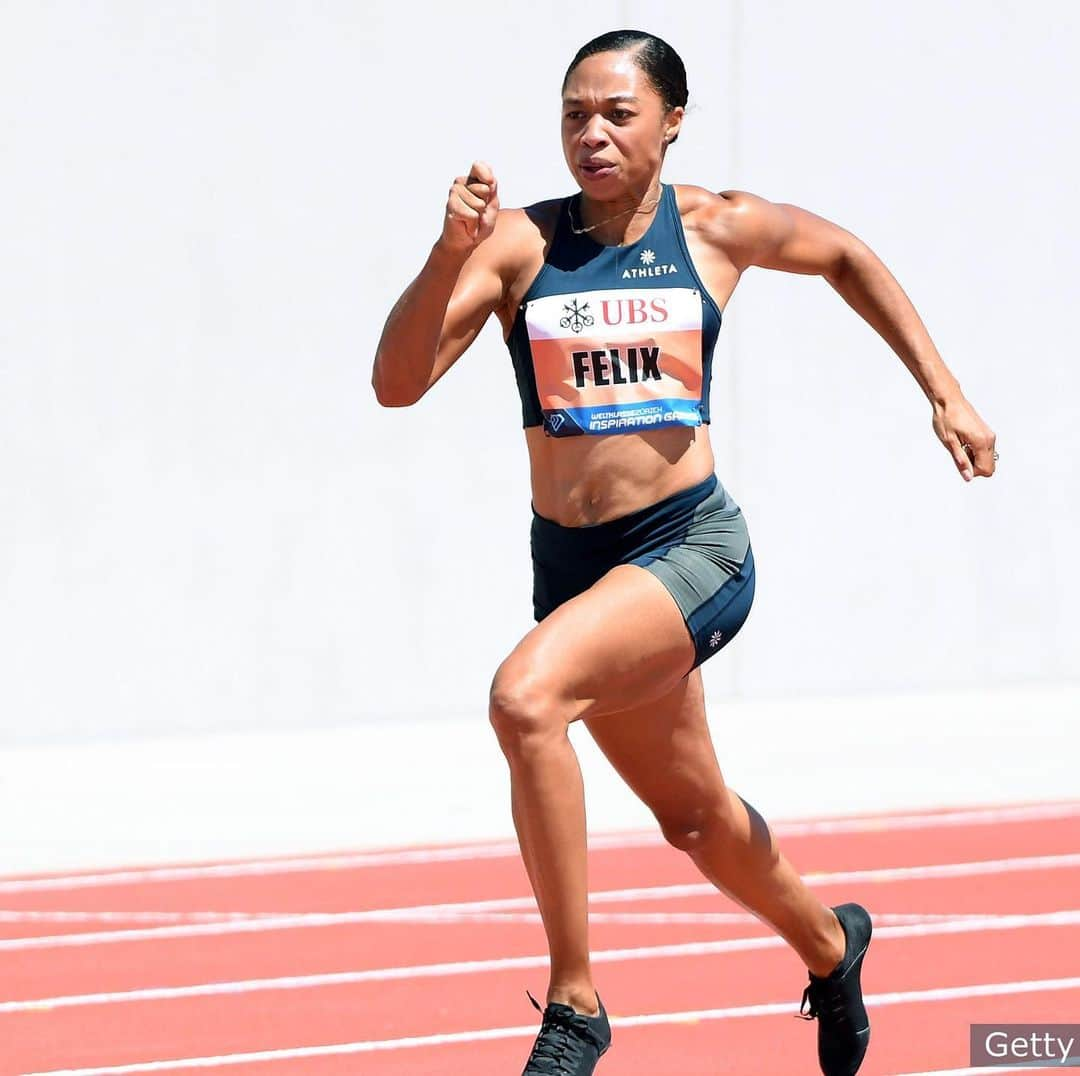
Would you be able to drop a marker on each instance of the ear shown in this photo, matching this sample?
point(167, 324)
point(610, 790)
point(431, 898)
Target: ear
point(673, 124)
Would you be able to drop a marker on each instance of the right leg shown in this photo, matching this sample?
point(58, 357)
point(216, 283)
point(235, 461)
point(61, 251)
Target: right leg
point(589, 656)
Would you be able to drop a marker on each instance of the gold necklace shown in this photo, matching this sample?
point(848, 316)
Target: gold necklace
point(593, 227)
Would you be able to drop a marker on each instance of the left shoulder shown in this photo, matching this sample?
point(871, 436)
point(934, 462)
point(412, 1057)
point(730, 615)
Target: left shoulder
point(751, 230)
point(721, 215)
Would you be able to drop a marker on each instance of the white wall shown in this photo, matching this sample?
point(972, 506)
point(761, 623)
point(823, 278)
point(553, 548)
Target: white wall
point(207, 211)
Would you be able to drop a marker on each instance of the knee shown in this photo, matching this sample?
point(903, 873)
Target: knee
point(690, 829)
point(524, 709)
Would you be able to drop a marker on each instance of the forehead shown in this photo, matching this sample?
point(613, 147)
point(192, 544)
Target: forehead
point(605, 76)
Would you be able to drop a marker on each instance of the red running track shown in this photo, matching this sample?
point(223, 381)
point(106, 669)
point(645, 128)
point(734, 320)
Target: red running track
point(417, 961)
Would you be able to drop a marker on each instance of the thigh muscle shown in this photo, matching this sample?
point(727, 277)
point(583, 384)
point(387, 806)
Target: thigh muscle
point(614, 646)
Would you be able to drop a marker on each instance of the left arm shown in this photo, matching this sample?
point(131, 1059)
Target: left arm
point(785, 237)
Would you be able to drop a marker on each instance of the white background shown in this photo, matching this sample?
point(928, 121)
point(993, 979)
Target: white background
point(207, 210)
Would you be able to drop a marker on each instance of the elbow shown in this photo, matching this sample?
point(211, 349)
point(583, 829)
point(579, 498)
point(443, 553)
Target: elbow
point(851, 254)
point(391, 399)
point(391, 396)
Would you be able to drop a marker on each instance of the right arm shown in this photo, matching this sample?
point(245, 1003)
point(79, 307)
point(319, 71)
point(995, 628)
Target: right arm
point(443, 310)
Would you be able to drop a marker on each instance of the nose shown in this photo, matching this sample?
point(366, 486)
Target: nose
point(593, 134)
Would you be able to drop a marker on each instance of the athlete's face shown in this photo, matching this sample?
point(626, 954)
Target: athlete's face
point(614, 126)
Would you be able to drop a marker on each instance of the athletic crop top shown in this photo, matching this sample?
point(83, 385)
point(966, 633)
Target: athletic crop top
point(615, 339)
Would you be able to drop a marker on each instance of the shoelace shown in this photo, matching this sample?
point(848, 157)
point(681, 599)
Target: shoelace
point(821, 1000)
point(558, 1047)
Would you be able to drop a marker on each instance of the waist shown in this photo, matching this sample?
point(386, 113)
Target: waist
point(643, 527)
point(583, 481)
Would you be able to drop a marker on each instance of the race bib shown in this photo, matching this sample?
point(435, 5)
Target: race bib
point(617, 361)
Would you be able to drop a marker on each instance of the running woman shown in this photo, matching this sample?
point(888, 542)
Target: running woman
point(610, 303)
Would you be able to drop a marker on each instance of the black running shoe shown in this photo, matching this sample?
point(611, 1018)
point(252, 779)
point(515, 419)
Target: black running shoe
point(570, 1043)
point(835, 1001)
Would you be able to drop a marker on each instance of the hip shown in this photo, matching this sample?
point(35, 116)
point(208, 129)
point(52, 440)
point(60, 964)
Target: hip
point(696, 542)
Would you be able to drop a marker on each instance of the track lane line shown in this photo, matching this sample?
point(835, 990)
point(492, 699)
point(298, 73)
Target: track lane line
point(980, 1071)
point(977, 816)
point(29, 915)
point(981, 924)
point(632, 918)
point(450, 912)
point(528, 1031)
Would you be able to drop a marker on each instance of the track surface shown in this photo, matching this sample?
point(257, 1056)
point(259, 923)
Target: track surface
point(417, 961)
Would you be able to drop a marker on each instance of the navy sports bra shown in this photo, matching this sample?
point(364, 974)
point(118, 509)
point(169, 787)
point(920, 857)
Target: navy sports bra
point(615, 339)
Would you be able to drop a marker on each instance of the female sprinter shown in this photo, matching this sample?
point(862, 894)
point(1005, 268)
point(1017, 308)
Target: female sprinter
point(610, 304)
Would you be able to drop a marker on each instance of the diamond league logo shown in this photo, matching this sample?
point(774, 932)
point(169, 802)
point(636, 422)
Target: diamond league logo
point(556, 422)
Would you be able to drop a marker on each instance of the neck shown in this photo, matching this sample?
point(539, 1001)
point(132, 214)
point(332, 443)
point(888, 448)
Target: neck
point(621, 220)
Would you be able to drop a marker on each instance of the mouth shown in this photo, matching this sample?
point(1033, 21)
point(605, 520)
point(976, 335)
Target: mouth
point(597, 169)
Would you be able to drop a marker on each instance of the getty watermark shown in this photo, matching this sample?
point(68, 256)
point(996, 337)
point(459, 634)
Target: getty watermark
point(1033, 1046)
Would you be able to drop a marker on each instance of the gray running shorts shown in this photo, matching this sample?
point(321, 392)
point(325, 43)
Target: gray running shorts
point(695, 542)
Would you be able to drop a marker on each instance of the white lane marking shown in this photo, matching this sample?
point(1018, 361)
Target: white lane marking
point(489, 1034)
point(508, 849)
point(24, 915)
point(630, 918)
point(966, 925)
point(452, 912)
point(693, 918)
point(983, 1071)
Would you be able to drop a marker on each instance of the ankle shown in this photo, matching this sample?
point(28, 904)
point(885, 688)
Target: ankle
point(832, 947)
point(581, 998)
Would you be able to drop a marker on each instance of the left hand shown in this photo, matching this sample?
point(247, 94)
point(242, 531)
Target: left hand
point(968, 439)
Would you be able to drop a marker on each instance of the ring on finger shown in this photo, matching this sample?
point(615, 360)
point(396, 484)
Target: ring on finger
point(967, 448)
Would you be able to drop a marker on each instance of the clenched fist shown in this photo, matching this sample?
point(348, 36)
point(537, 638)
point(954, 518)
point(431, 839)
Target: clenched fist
point(471, 209)
point(968, 439)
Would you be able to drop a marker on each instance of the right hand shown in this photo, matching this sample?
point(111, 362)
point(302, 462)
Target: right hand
point(471, 209)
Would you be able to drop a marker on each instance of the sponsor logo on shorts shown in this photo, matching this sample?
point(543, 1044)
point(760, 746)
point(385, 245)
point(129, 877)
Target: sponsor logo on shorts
point(716, 639)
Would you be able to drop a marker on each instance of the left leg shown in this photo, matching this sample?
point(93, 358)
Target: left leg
point(664, 752)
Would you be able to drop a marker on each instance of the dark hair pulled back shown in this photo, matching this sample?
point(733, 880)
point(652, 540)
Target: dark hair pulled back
point(661, 64)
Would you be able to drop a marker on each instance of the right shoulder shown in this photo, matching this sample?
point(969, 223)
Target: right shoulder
point(521, 240)
point(527, 225)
